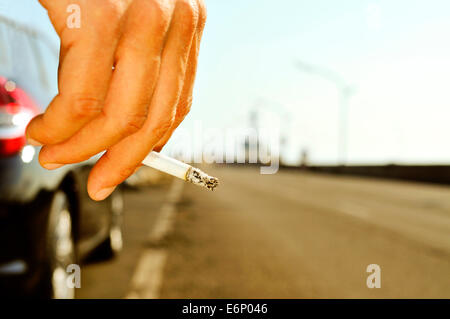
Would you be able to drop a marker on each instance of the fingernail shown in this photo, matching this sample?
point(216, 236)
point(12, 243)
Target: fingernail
point(52, 165)
point(33, 142)
point(103, 193)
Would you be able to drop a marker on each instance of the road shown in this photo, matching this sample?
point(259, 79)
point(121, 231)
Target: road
point(287, 235)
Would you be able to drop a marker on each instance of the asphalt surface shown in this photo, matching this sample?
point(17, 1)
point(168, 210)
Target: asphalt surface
point(288, 235)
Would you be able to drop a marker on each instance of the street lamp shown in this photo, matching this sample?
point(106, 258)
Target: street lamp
point(345, 92)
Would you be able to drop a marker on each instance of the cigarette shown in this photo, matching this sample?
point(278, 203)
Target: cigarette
point(180, 170)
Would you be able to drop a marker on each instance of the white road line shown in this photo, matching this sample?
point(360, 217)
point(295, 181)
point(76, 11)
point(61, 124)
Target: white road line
point(354, 209)
point(147, 278)
point(163, 224)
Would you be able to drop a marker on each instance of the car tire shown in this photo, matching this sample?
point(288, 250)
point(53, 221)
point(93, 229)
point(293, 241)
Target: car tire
point(112, 246)
point(60, 249)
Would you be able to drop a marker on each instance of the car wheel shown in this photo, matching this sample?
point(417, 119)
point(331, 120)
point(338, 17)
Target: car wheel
point(60, 248)
point(113, 243)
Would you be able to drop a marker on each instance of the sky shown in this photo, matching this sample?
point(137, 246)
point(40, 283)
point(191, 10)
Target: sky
point(395, 55)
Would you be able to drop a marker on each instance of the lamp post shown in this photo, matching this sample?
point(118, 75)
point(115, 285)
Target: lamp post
point(345, 92)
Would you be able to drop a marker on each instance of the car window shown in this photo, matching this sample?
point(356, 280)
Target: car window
point(27, 58)
point(5, 59)
point(47, 58)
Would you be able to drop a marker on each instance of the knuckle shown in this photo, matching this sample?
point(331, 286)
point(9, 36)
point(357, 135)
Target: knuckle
point(184, 107)
point(160, 25)
point(179, 118)
point(84, 107)
point(186, 104)
point(124, 172)
point(132, 123)
point(162, 127)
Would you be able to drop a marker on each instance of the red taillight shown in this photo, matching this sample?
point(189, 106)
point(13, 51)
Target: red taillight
point(11, 146)
point(16, 111)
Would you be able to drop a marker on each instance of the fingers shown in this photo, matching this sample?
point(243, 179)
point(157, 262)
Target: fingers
point(130, 92)
point(121, 160)
point(87, 57)
point(185, 102)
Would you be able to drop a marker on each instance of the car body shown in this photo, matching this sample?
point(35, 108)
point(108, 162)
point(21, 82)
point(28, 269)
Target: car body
point(42, 213)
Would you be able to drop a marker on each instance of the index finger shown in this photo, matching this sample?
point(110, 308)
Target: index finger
point(87, 58)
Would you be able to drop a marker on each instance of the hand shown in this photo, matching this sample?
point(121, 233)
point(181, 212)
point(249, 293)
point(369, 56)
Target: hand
point(129, 110)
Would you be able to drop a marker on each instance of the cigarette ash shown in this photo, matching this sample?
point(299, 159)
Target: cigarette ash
point(197, 177)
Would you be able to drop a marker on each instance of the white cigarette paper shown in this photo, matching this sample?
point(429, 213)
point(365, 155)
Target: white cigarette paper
point(180, 170)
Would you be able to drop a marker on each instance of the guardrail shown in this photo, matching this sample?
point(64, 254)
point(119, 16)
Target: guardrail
point(437, 174)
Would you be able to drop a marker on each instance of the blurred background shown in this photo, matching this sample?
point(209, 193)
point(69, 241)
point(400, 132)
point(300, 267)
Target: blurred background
point(347, 101)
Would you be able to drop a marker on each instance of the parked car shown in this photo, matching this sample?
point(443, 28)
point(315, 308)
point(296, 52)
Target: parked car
point(47, 221)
